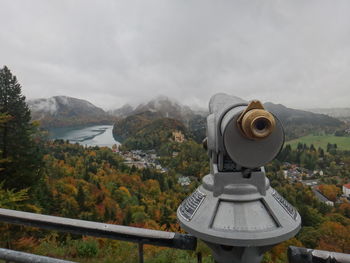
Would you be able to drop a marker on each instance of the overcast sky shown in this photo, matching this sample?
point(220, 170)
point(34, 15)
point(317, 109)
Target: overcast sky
point(292, 52)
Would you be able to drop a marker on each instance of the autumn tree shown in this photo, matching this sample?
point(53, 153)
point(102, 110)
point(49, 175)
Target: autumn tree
point(16, 136)
point(334, 237)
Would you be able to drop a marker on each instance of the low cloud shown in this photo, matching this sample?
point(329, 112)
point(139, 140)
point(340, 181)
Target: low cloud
point(111, 52)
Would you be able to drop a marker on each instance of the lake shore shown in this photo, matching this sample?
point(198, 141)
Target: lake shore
point(95, 135)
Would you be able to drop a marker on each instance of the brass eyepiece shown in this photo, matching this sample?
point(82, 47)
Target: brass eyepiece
point(255, 122)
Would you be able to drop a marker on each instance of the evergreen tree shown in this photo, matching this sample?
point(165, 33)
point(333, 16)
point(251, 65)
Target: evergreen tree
point(16, 136)
point(300, 147)
point(312, 148)
point(320, 152)
point(81, 198)
point(329, 147)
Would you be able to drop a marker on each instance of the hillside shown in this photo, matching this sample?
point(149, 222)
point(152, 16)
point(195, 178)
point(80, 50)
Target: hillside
point(62, 111)
point(129, 126)
point(299, 123)
point(293, 116)
point(155, 134)
point(339, 113)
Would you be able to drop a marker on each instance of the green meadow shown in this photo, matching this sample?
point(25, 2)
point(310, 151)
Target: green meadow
point(343, 143)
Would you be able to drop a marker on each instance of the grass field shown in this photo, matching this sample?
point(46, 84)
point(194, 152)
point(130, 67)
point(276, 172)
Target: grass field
point(343, 143)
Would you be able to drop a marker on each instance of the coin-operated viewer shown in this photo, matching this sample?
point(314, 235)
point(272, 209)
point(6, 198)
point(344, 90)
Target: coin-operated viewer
point(235, 211)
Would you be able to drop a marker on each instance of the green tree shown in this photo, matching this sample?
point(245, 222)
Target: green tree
point(312, 148)
point(309, 236)
point(17, 145)
point(11, 199)
point(81, 197)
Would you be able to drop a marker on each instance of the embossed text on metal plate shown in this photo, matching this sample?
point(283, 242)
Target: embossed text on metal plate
point(285, 204)
point(190, 205)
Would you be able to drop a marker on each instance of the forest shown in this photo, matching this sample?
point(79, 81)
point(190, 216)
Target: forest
point(91, 183)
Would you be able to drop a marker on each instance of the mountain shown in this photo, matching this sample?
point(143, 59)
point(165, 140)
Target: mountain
point(298, 123)
point(339, 113)
point(158, 108)
point(161, 106)
point(167, 107)
point(293, 116)
point(61, 111)
point(124, 111)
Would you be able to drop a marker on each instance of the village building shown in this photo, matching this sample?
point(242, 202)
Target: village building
point(142, 160)
point(322, 198)
point(310, 182)
point(184, 181)
point(346, 190)
point(138, 165)
point(318, 172)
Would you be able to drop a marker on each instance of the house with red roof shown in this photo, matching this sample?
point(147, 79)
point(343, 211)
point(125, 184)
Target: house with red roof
point(346, 190)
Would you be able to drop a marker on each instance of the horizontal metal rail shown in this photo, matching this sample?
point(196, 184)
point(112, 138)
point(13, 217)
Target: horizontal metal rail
point(21, 257)
point(88, 228)
point(306, 255)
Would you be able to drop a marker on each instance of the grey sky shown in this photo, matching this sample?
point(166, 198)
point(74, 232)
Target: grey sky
point(292, 52)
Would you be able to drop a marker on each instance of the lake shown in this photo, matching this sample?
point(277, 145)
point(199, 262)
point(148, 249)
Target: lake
point(96, 135)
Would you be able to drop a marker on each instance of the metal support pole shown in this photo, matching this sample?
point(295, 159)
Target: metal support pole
point(140, 253)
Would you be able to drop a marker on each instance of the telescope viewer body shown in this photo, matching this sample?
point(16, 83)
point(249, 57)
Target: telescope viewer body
point(229, 138)
point(235, 211)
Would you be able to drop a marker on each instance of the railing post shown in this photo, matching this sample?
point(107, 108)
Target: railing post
point(140, 252)
point(199, 257)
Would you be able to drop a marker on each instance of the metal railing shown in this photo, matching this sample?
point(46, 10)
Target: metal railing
point(132, 234)
point(21, 257)
point(306, 255)
point(81, 227)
